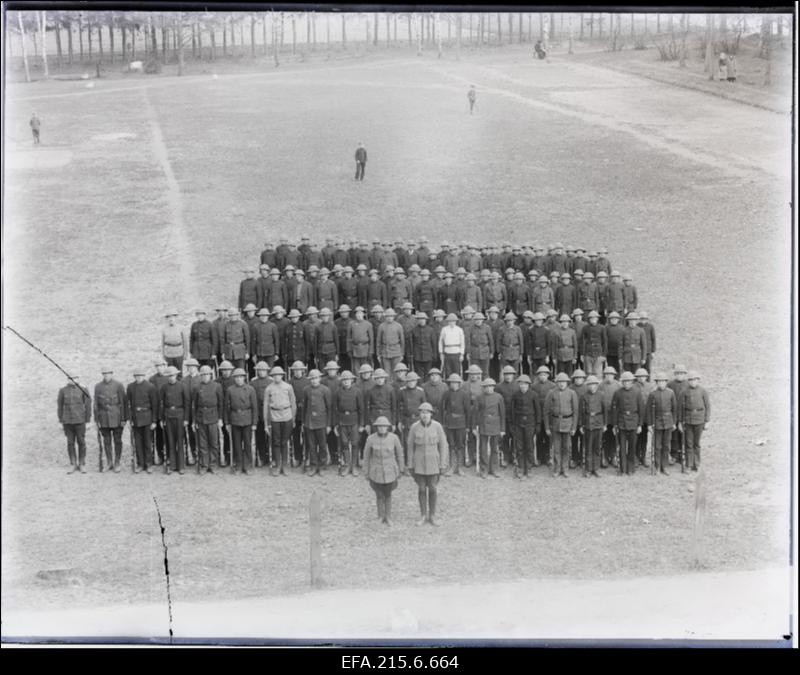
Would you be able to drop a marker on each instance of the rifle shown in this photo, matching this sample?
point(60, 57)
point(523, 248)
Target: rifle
point(133, 447)
point(582, 448)
point(617, 450)
point(653, 449)
point(100, 446)
point(477, 452)
point(197, 458)
point(219, 447)
point(230, 445)
point(153, 444)
point(683, 449)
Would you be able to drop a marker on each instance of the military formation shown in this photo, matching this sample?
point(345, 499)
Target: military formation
point(393, 359)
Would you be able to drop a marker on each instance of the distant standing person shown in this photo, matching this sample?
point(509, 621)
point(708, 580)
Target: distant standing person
point(540, 50)
point(36, 124)
point(361, 161)
point(471, 96)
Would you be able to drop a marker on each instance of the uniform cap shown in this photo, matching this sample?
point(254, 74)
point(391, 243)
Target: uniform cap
point(205, 370)
point(592, 379)
point(338, 268)
point(434, 371)
point(380, 372)
point(527, 314)
point(578, 373)
point(661, 377)
point(249, 307)
point(139, 371)
point(365, 368)
point(425, 272)
point(358, 309)
point(381, 422)
point(524, 379)
point(552, 312)
point(200, 311)
point(593, 314)
point(397, 270)
point(632, 316)
point(263, 312)
point(361, 267)
point(276, 370)
point(171, 371)
point(627, 277)
point(191, 362)
point(578, 273)
point(565, 275)
point(294, 313)
point(461, 270)
point(344, 308)
point(300, 273)
point(438, 313)
point(479, 316)
point(376, 309)
point(331, 365)
point(373, 271)
point(289, 268)
point(439, 268)
point(313, 268)
point(643, 314)
point(543, 279)
point(577, 312)
point(239, 372)
point(278, 309)
point(533, 274)
point(542, 369)
point(226, 365)
point(314, 373)
point(562, 377)
point(488, 382)
point(602, 274)
point(626, 376)
point(390, 312)
point(452, 317)
point(106, 369)
point(421, 315)
point(412, 376)
point(641, 372)
point(609, 370)
point(455, 377)
point(401, 368)
point(474, 369)
point(693, 375)
point(554, 274)
point(588, 275)
point(325, 311)
point(347, 375)
point(467, 310)
point(448, 275)
point(471, 277)
point(171, 312)
point(298, 365)
point(509, 370)
point(493, 309)
point(510, 316)
point(414, 268)
point(519, 275)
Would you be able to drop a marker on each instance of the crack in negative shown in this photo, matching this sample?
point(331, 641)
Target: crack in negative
point(166, 567)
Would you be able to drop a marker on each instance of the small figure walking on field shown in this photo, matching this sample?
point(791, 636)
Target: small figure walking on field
point(36, 124)
point(471, 96)
point(361, 161)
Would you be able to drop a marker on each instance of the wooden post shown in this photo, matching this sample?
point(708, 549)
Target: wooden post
point(698, 531)
point(24, 50)
point(315, 539)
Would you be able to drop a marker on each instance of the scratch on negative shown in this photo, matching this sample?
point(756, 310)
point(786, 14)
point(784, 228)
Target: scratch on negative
point(166, 566)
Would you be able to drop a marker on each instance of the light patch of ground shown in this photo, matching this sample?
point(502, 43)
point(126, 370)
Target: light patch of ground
point(115, 136)
point(37, 159)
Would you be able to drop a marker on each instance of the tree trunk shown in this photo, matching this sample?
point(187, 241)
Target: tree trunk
point(89, 27)
point(70, 53)
point(124, 43)
point(225, 37)
point(294, 35)
point(24, 50)
point(438, 28)
point(180, 43)
point(708, 66)
point(194, 42)
point(253, 35)
point(410, 36)
point(591, 25)
point(394, 28)
point(80, 37)
point(569, 28)
point(164, 38)
point(283, 32)
point(212, 38)
point(375, 29)
point(59, 55)
point(469, 34)
point(264, 32)
point(241, 35)
point(389, 29)
point(111, 39)
point(275, 40)
point(499, 30)
point(344, 32)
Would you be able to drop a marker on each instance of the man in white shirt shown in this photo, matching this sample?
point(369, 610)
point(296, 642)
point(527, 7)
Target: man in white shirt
point(452, 346)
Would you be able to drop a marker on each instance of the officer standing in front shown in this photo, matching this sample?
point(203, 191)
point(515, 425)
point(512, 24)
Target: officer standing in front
point(74, 413)
point(627, 416)
point(110, 415)
point(240, 414)
point(427, 448)
point(383, 465)
point(561, 422)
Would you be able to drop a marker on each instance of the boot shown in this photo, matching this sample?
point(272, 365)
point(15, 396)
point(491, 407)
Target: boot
point(387, 510)
point(72, 469)
point(82, 468)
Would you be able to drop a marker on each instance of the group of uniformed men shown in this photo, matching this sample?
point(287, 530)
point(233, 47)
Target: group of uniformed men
point(569, 393)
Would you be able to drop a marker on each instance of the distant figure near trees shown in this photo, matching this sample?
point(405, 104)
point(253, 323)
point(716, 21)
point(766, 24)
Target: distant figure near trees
point(35, 126)
point(541, 52)
point(361, 161)
point(471, 96)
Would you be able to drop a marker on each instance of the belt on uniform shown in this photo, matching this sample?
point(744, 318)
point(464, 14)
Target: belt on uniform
point(239, 409)
point(563, 417)
point(276, 409)
point(142, 408)
point(697, 410)
point(174, 344)
point(174, 407)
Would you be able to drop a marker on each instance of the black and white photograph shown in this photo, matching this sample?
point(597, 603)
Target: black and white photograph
point(398, 326)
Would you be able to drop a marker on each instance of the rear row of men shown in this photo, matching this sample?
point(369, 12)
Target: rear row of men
point(314, 419)
point(450, 341)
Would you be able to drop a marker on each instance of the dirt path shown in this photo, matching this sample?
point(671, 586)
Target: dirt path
point(733, 605)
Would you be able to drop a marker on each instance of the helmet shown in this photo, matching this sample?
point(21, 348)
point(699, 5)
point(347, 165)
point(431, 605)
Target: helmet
point(527, 314)
point(344, 308)
point(455, 377)
point(452, 317)
point(169, 372)
point(325, 312)
point(474, 369)
point(577, 312)
point(139, 371)
point(381, 422)
point(524, 379)
point(627, 277)
point(347, 375)
point(592, 379)
point(376, 309)
point(602, 274)
point(578, 273)
point(594, 315)
point(662, 376)
point(562, 377)
point(191, 362)
point(479, 316)
point(542, 369)
point(412, 376)
point(509, 370)
point(407, 305)
point(298, 365)
point(294, 313)
point(434, 371)
point(614, 315)
point(331, 365)
point(263, 311)
point(510, 316)
point(401, 368)
point(390, 312)
point(421, 315)
point(632, 316)
point(564, 317)
point(679, 368)
point(262, 365)
point(226, 365)
point(239, 372)
point(609, 370)
point(566, 275)
point(641, 372)
point(314, 373)
point(467, 310)
point(543, 279)
point(380, 372)
point(643, 314)
point(276, 370)
point(578, 373)
point(693, 375)
point(627, 376)
point(488, 382)
point(365, 368)
point(538, 316)
point(312, 310)
point(204, 370)
point(587, 275)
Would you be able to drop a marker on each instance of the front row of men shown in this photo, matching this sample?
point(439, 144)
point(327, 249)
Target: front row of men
point(313, 420)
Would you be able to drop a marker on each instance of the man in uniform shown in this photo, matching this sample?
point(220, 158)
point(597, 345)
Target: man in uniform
point(225, 381)
point(248, 290)
point(471, 96)
point(202, 339)
point(317, 420)
point(608, 387)
point(565, 347)
point(279, 412)
point(207, 407)
point(627, 416)
point(235, 340)
point(448, 295)
point(507, 387)
point(489, 423)
point(694, 409)
point(426, 445)
point(110, 415)
point(278, 290)
point(342, 324)
point(360, 341)
point(630, 298)
point(143, 405)
point(408, 321)
point(74, 413)
point(543, 296)
point(327, 293)
point(173, 413)
point(269, 256)
point(634, 344)
point(36, 124)
point(614, 333)
point(662, 415)
point(641, 383)
point(588, 298)
point(383, 466)
point(649, 339)
point(525, 414)
point(260, 383)
point(539, 344)
point(614, 295)
point(566, 295)
point(299, 383)
point(578, 385)
point(434, 389)
point(424, 345)
point(593, 414)
point(348, 422)
point(390, 341)
point(520, 298)
point(495, 293)
point(560, 412)
point(409, 398)
point(264, 339)
point(456, 414)
point(173, 342)
point(295, 347)
point(240, 414)
point(348, 288)
point(678, 385)
point(510, 343)
point(191, 381)
point(327, 339)
point(158, 380)
point(542, 387)
point(425, 293)
point(218, 324)
point(480, 344)
point(593, 345)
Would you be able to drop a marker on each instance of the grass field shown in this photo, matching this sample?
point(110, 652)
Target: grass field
point(153, 193)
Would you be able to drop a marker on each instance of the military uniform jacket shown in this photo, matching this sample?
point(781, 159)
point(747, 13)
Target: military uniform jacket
point(490, 414)
point(615, 301)
point(295, 347)
point(158, 381)
point(348, 291)
point(207, 403)
point(291, 257)
point(566, 344)
point(391, 340)
point(448, 298)
point(408, 323)
point(264, 339)
point(400, 291)
point(317, 407)
point(281, 324)
point(588, 296)
point(427, 447)
point(614, 339)
point(649, 337)
point(310, 328)
point(593, 341)
point(510, 343)
point(424, 343)
point(560, 412)
point(539, 342)
point(472, 296)
point(327, 340)
point(627, 409)
point(277, 293)
point(360, 339)
point(607, 390)
point(348, 407)
point(480, 342)
point(566, 299)
point(434, 394)
point(269, 256)
point(381, 400)
point(279, 403)
point(327, 295)
point(593, 411)
point(494, 293)
point(519, 299)
point(525, 409)
point(543, 299)
point(143, 403)
point(260, 385)
point(383, 458)
point(299, 385)
point(408, 403)
point(662, 409)
point(110, 404)
point(248, 292)
point(425, 296)
point(235, 339)
point(507, 391)
point(202, 340)
point(304, 296)
point(633, 345)
point(374, 294)
point(174, 403)
point(74, 405)
point(693, 406)
point(630, 297)
point(241, 406)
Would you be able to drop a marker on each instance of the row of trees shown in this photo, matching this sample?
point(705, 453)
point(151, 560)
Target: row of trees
point(69, 37)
